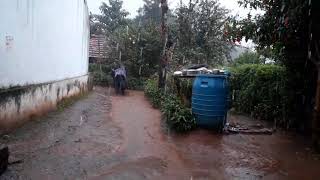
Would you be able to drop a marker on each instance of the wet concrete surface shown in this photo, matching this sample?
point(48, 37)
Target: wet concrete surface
point(121, 137)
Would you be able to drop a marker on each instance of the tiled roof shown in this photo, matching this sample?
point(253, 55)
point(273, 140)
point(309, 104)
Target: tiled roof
point(98, 46)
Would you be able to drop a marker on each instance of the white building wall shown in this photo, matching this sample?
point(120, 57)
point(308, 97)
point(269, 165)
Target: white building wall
point(42, 41)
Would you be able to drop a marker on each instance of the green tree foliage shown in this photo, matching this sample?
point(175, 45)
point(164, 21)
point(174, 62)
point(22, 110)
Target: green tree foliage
point(200, 33)
point(95, 26)
point(151, 11)
point(285, 29)
point(113, 16)
point(134, 43)
point(284, 26)
point(196, 30)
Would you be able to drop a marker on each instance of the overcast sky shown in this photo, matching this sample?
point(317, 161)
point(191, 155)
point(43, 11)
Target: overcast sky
point(133, 5)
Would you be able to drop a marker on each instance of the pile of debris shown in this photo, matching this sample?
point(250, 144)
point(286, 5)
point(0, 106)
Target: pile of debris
point(253, 129)
point(197, 70)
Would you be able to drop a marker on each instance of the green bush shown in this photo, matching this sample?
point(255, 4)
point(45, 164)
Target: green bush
point(101, 74)
point(135, 83)
point(178, 116)
point(100, 67)
point(260, 90)
point(152, 91)
point(183, 89)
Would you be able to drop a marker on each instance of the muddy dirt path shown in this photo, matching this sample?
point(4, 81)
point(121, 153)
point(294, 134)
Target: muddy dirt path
point(144, 138)
point(71, 144)
point(104, 136)
point(203, 154)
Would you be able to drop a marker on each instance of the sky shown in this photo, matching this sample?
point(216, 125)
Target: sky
point(133, 5)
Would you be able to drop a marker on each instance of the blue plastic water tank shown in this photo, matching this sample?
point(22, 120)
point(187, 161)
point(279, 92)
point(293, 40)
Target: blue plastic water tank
point(210, 97)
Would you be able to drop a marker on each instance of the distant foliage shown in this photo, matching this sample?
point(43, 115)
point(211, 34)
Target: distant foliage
point(260, 90)
point(248, 58)
point(135, 83)
point(101, 74)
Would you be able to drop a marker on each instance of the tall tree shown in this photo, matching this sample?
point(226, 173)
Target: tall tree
point(164, 38)
point(201, 25)
point(112, 15)
point(95, 25)
point(152, 11)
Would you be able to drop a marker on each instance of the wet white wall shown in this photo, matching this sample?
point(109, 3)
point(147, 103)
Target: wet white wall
point(21, 105)
point(42, 41)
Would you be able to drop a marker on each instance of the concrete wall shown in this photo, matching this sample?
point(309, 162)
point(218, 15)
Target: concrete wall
point(42, 41)
point(21, 104)
point(44, 47)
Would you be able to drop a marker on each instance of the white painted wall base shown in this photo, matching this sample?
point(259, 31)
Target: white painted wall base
point(21, 104)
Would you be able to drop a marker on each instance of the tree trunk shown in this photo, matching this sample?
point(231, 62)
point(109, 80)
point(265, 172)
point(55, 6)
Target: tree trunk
point(314, 56)
point(164, 37)
point(316, 118)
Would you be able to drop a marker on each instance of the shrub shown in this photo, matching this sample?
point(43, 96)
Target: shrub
point(183, 89)
point(178, 116)
point(153, 93)
point(101, 74)
point(102, 79)
point(260, 90)
point(135, 83)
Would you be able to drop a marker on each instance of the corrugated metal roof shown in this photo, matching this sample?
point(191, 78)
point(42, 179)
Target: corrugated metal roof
point(98, 46)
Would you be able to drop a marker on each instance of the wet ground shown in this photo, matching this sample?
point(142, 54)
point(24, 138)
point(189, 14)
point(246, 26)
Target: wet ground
point(104, 136)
